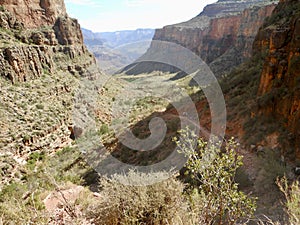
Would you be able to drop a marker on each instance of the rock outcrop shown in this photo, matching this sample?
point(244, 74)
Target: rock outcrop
point(263, 94)
point(44, 66)
point(36, 13)
point(222, 35)
point(31, 47)
point(68, 31)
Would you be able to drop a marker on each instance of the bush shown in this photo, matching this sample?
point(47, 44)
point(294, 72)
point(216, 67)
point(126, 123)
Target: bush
point(292, 195)
point(22, 204)
point(160, 203)
point(104, 129)
point(34, 158)
point(216, 200)
point(271, 168)
point(39, 106)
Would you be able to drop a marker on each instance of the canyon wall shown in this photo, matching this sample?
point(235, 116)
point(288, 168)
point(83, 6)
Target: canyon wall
point(36, 13)
point(279, 89)
point(222, 35)
point(31, 43)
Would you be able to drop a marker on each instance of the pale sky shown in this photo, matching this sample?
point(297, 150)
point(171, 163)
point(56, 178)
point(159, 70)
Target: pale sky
point(115, 15)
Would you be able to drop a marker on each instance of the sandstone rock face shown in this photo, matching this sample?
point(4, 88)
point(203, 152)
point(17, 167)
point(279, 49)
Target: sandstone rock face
point(53, 44)
point(7, 21)
point(222, 35)
point(19, 60)
point(68, 31)
point(36, 13)
point(279, 89)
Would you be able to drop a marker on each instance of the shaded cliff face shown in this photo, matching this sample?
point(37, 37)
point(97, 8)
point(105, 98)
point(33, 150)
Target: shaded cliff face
point(222, 35)
point(268, 86)
point(279, 88)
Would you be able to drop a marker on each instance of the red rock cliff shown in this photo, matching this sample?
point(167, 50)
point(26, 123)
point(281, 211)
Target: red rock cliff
point(36, 13)
point(222, 36)
point(41, 31)
point(279, 89)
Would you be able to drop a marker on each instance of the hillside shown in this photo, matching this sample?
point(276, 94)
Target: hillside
point(42, 59)
point(261, 96)
point(260, 88)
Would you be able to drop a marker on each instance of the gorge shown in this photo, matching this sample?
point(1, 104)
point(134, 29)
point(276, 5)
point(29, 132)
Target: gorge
point(251, 46)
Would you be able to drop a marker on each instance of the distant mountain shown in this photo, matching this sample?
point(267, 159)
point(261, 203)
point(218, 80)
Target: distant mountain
point(114, 50)
point(91, 38)
point(115, 39)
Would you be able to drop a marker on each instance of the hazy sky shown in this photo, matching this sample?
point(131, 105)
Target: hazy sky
point(113, 15)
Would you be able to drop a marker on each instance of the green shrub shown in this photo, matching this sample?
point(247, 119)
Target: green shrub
point(292, 196)
point(26, 138)
point(22, 204)
point(39, 106)
point(34, 158)
point(216, 200)
point(104, 129)
point(64, 151)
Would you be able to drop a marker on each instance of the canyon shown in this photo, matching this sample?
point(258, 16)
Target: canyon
point(252, 47)
point(228, 34)
point(115, 50)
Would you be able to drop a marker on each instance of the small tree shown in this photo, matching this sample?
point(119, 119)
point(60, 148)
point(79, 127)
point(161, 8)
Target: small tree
point(216, 199)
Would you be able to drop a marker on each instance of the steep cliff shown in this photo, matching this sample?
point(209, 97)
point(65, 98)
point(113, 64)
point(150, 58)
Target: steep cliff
point(279, 88)
point(35, 14)
point(222, 35)
point(28, 46)
point(268, 85)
